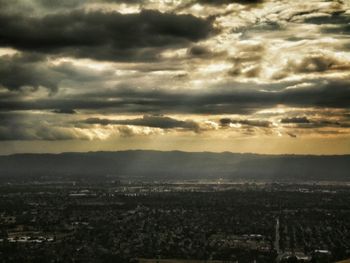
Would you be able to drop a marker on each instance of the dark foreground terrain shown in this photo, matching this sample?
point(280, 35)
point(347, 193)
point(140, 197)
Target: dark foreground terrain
point(157, 222)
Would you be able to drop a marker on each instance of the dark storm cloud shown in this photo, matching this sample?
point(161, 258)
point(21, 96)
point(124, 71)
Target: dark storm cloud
point(26, 70)
point(54, 4)
point(65, 111)
point(292, 135)
point(313, 63)
point(230, 98)
point(19, 133)
point(155, 121)
point(217, 3)
point(256, 123)
point(249, 31)
point(339, 29)
point(335, 18)
point(23, 131)
point(42, 7)
point(59, 5)
point(26, 126)
point(199, 51)
point(220, 2)
point(51, 4)
point(314, 124)
point(295, 120)
point(336, 23)
point(104, 36)
point(247, 61)
point(304, 122)
point(204, 52)
point(34, 70)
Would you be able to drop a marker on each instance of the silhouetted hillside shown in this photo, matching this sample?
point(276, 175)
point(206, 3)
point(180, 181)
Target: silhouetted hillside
point(176, 165)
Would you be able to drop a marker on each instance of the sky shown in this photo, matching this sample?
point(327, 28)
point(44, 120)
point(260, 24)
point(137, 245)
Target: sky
point(198, 75)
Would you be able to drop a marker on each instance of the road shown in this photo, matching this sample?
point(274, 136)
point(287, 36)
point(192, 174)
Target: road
point(277, 236)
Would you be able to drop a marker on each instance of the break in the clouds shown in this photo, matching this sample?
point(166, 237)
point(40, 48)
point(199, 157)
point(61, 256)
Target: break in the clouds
point(141, 72)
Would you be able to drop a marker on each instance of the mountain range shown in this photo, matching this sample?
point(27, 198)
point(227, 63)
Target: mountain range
point(176, 165)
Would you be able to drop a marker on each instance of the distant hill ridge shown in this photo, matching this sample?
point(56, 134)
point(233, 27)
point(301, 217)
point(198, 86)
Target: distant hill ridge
point(155, 165)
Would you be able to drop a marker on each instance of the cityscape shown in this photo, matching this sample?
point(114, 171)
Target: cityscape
point(207, 221)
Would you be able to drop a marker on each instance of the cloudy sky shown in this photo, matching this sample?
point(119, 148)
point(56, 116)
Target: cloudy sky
point(198, 75)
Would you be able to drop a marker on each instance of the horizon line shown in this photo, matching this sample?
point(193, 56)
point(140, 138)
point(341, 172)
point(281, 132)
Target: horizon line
point(169, 151)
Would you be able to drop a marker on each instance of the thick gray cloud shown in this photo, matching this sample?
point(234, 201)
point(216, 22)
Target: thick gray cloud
point(314, 62)
point(65, 111)
point(295, 120)
point(221, 2)
point(338, 23)
point(103, 36)
point(27, 70)
point(230, 98)
point(217, 59)
point(256, 123)
point(292, 135)
point(14, 126)
point(47, 126)
point(204, 52)
point(55, 4)
point(320, 124)
point(34, 70)
point(218, 2)
point(38, 132)
point(247, 61)
point(155, 121)
point(199, 51)
point(59, 5)
point(307, 123)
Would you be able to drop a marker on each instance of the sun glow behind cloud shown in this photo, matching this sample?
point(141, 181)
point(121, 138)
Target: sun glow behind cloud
point(200, 75)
